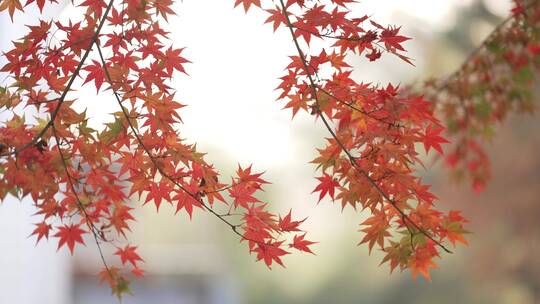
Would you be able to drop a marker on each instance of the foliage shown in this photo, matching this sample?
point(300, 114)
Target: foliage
point(86, 179)
point(496, 80)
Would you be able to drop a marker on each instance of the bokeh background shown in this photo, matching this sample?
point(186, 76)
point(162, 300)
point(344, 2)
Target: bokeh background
point(232, 114)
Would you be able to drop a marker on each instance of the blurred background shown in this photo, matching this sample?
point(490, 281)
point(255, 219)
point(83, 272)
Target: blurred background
point(232, 114)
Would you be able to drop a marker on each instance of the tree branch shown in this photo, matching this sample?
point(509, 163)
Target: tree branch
point(343, 148)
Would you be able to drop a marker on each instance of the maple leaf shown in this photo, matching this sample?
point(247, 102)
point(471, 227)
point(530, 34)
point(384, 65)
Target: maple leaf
point(270, 253)
point(374, 55)
point(119, 219)
point(432, 139)
point(297, 102)
point(421, 262)
point(109, 275)
point(246, 177)
point(248, 3)
point(96, 6)
point(163, 7)
point(287, 225)
point(96, 73)
point(117, 282)
point(173, 61)
point(277, 17)
point(11, 6)
point(301, 244)
point(454, 232)
point(454, 228)
point(376, 230)
point(40, 3)
point(390, 37)
point(186, 201)
point(158, 192)
point(121, 287)
point(42, 230)
point(128, 254)
point(327, 185)
point(69, 235)
point(297, 2)
point(344, 2)
point(242, 195)
point(137, 272)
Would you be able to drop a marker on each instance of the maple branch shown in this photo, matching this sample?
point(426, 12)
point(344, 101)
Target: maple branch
point(88, 221)
point(62, 98)
point(314, 87)
point(234, 227)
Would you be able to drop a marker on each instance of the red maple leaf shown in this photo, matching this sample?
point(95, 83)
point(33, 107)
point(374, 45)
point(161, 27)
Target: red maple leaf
point(70, 235)
point(40, 3)
point(42, 230)
point(173, 61)
point(301, 244)
point(96, 73)
point(432, 139)
point(128, 254)
point(248, 3)
point(422, 261)
point(287, 225)
point(276, 17)
point(137, 272)
point(242, 195)
point(11, 6)
point(270, 252)
point(186, 201)
point(327, 185)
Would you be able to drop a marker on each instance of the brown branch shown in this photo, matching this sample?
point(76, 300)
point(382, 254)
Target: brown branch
point(334, 135)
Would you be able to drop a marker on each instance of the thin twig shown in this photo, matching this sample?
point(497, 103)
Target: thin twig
point(88, 221)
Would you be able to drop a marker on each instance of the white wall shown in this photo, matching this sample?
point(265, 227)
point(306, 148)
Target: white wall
point(29, 274)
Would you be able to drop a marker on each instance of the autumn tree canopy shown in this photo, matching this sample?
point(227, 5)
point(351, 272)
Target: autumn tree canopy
point(84, 181)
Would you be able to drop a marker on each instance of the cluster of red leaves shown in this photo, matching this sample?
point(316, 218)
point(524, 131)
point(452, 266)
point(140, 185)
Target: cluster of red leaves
point(262, 229)
point(83, 181)
point(371, 158)
point(497, 81)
